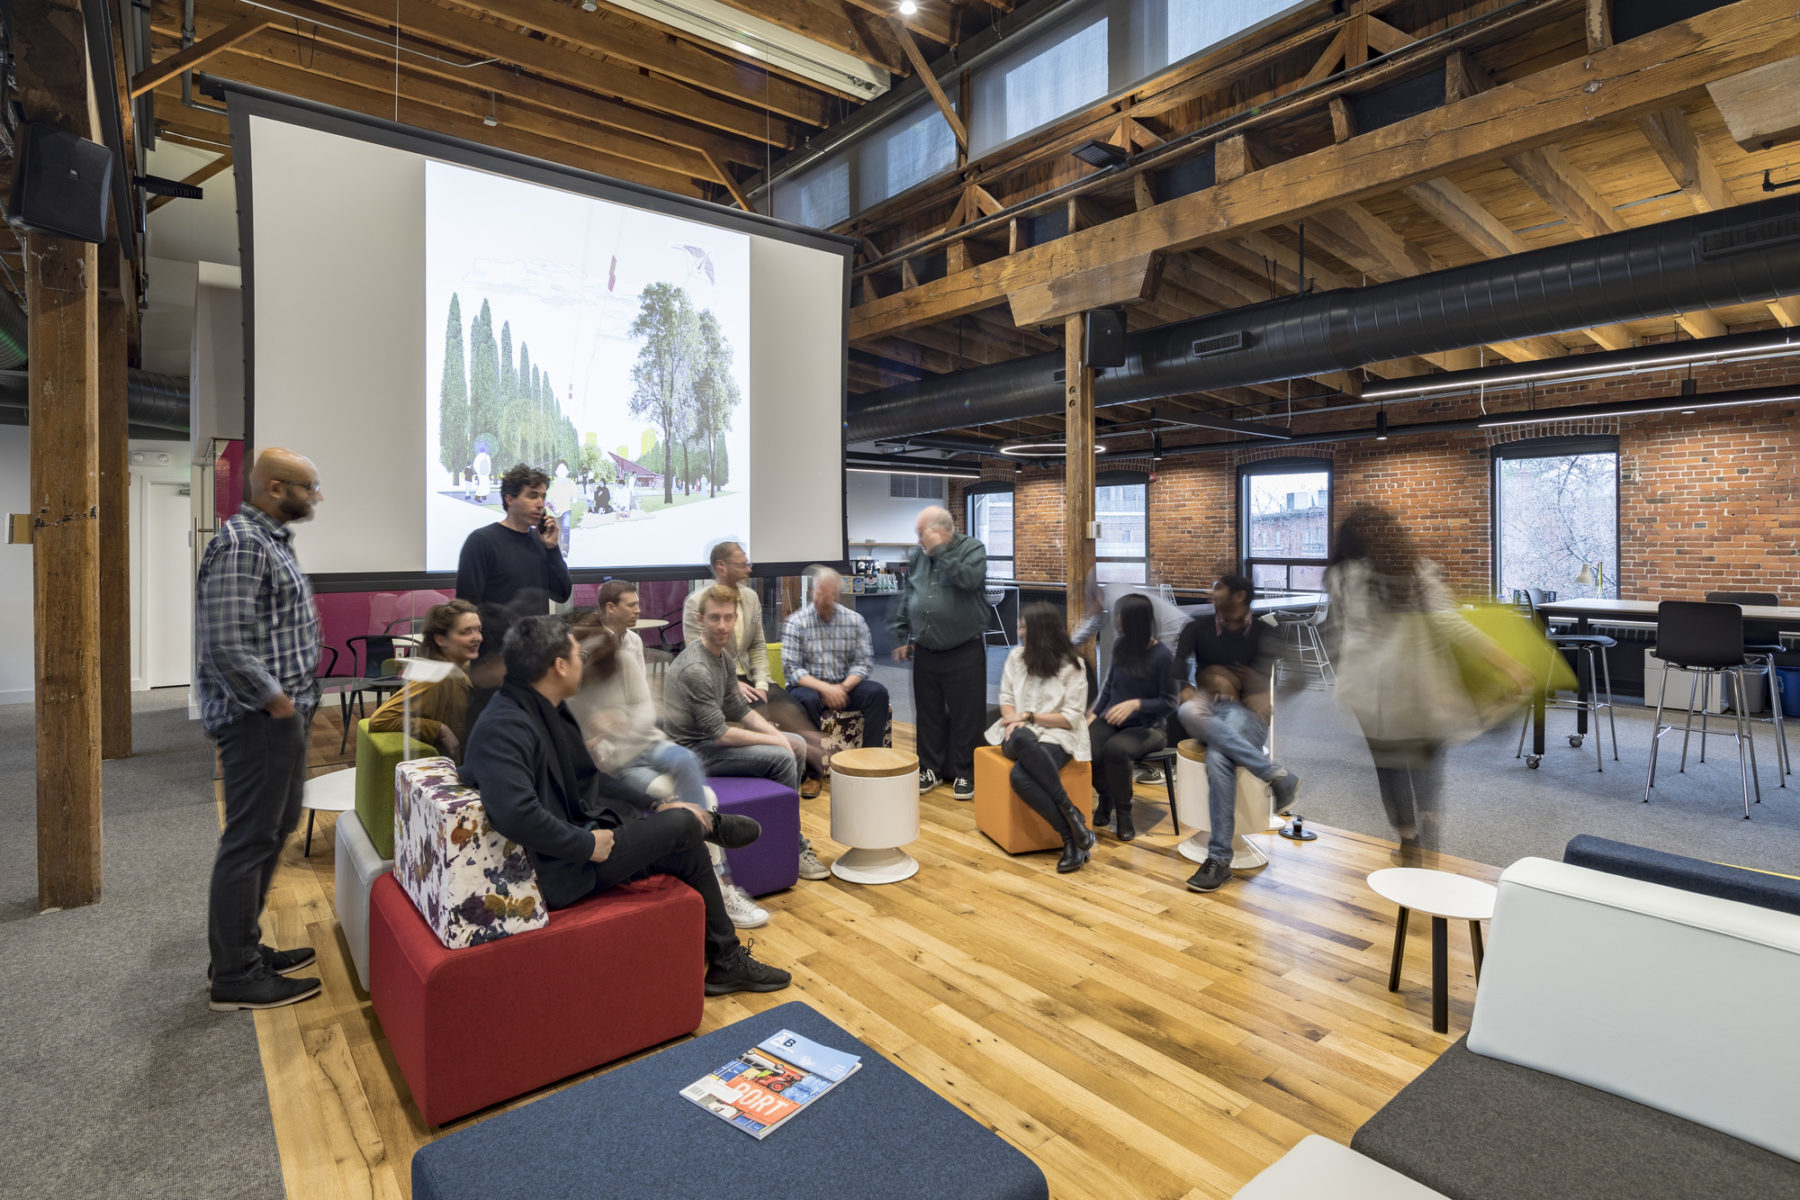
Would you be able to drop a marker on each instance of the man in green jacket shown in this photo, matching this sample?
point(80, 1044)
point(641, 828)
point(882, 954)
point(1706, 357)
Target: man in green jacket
point(940, 623)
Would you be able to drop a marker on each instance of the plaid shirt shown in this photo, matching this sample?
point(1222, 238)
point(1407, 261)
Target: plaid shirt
point(256, 632)
point(831, 651)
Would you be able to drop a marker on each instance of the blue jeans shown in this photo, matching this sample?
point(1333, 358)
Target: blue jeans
point(1233, 738)
point(667, 758)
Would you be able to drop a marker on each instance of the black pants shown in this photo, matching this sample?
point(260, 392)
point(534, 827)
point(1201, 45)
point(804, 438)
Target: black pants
point(1411, 777)
point(869, 698)
point(670, 842)
point(1035, 776)
point(1115, 750)
point(950, 694)
point(262, 760)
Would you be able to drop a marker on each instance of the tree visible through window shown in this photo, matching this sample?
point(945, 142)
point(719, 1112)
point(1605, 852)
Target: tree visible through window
point(1555, 513)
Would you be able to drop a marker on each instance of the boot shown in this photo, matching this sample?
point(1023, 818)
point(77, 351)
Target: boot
point(1126, 829)
point(1078, 839)
point(1102, 812)
point(1073, 855)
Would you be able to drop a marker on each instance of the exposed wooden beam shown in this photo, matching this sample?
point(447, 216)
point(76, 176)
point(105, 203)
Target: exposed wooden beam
point(923, 70)
point(931, 22)
point(1114, 283)
point(1758, 105)
point(186, 60)
point(113, 461)
point(1236, 157)
point(221, 163)
point(1597, 24)
point(1384, 38)
point(852, 31)
point(731, 185)
point(1078, 465)
point(1672, 137)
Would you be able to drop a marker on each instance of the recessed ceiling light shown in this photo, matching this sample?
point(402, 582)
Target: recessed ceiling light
point(908, 8)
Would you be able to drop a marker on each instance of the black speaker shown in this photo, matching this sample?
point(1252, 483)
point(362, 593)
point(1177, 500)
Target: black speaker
point(1105, 346)
point(60, 184)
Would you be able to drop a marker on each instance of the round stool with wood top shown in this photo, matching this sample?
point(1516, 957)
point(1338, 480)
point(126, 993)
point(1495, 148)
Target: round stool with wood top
point(1250, 813)
point(874, 811)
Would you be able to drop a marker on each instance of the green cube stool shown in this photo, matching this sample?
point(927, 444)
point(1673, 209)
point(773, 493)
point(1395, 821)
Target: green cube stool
point(377, 757)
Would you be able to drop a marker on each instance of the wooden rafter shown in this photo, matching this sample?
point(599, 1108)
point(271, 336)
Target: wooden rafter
point(186, 60)
point(923, 70)
point(221, 163)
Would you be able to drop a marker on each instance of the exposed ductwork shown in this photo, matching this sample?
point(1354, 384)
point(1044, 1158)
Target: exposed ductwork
point(1740, 255)
point(14, 333)
point(157, 405)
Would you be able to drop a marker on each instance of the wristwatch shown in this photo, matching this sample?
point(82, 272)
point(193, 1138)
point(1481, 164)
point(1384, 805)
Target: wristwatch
point(1031, 718)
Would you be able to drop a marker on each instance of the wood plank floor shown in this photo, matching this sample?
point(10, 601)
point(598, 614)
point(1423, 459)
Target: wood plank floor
point(1135, 1039)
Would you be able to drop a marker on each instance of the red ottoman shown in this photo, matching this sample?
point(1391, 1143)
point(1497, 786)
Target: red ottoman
point(472, 1027)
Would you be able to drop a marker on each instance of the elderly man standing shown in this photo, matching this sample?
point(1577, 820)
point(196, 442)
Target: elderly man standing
point(940, 622)
point(749, 652)
point(257, 650)
point(828, 654)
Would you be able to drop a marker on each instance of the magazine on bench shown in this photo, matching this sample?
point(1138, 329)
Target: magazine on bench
point(763, 1088)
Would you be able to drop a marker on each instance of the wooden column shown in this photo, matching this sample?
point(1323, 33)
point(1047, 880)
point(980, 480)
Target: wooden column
point(116, 295)
point(50, 58)
point(1078, 463)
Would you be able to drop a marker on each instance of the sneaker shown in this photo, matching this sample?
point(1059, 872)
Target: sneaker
point(1286, 786)
point(1211, 876)
point(810, 866)
point(734, 831)
point(738, 972)
point(927, 780)
point(963, 788)
point(744, 912)
point(261, 988)
point(1151, 775)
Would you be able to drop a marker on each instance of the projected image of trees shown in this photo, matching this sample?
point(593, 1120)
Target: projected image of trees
point(682, 384)
point(510, 413)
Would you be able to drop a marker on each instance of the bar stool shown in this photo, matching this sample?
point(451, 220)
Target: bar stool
point(1302, 629)
point(1706, 641)
point(1594, 646)
point(994, 597)
point(1761, 655)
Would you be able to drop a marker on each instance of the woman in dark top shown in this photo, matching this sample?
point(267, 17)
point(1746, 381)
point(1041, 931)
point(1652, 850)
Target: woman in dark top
point(1127, 722)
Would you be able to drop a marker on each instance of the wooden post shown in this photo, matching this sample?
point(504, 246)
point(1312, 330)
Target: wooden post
point(50, 58)
point(1078, 463)
point(116, 295)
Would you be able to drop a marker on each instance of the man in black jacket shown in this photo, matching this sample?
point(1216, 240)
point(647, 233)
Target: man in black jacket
point(586, 831)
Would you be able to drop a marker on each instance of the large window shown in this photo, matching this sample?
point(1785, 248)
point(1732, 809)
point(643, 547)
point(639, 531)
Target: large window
point(1556, 516)
point(1284, 523)
point(1121, 553)
point(990, 521)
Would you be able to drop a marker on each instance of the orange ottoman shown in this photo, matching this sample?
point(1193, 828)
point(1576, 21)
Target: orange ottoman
point(1008, 820)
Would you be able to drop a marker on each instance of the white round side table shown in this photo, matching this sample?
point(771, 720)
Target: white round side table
point(333, 792)
point(874, 811)
point(1250, 812)
point(1445, 897)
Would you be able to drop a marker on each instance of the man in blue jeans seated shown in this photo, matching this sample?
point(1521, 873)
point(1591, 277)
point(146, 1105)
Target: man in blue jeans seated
point(828, 654)
point(587, 832)
point(1234, 737)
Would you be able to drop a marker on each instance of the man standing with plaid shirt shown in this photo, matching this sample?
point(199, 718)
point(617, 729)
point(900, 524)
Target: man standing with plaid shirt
point(828, 655)
point(257, 651)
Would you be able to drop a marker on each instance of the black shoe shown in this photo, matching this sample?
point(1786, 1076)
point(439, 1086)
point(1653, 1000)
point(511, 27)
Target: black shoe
point(1103, 813)
point(1211, 876)
point(963, 788)
point(738, 972)
point(927, 780)
point(261, 988)
point(1286, 787)
point(284, 962)
point(1074, 854)
point(1126, 830)
point(734, 831)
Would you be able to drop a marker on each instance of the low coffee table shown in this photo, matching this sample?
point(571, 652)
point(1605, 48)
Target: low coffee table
point(1445, 897)
point(332, 792)
point(880, 1135)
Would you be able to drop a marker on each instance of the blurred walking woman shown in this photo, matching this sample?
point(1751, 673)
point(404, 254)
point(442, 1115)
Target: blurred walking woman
point(438, 708)
point(1043, 724)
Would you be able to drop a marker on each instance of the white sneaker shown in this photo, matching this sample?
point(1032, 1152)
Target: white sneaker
point(745, 914)
point(810, 866)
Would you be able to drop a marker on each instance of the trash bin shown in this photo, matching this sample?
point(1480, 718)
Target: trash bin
point(1790, 690)
point(1755, 695)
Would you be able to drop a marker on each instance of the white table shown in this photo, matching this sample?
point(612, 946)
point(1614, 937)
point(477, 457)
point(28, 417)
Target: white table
point(333, 792)
point(1445, 897)
point(874, 811)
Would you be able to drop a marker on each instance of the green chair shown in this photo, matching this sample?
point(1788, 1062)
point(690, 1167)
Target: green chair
point(377, 756)
point(776, 674)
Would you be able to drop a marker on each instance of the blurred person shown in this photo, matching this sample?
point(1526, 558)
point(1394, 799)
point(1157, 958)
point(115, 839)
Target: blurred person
point(1042, 725)
point(749, 650)
point(705, 709)
point(1396, 670)
point(1135, 700)
point(828, 655)
point(438, 708)
point(586, 831)
point(256, 654)
point(1227, 654)
point(940, 624)
point(509, 570)
point(559, 502)
point(617, 716)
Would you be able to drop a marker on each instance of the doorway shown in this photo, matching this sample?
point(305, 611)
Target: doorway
point(168, 628)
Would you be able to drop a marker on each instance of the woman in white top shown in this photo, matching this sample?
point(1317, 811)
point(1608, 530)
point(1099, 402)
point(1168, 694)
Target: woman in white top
point(1043, 724)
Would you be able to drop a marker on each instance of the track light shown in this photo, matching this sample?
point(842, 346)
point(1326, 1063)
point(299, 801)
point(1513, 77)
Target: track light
point(1686, 405)
point(1381, 425)
point(493, 118)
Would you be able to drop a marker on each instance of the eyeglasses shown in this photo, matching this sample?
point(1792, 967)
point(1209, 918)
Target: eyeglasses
point(312, 489)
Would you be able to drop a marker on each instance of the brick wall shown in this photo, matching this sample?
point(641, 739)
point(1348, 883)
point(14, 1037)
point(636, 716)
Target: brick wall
point(1706, 502)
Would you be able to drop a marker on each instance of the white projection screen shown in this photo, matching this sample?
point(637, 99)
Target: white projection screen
point(421, 313)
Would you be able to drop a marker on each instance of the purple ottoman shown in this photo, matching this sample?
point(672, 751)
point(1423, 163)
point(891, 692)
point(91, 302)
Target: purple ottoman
point(772, 862)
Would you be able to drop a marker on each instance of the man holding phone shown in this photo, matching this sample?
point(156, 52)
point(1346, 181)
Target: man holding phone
point(509, 570)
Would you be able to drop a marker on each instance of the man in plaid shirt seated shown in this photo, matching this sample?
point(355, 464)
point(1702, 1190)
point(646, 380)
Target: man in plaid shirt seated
point(827, 654)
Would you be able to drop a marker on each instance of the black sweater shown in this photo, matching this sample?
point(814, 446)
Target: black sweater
point(508, 575)
point(1202, 645)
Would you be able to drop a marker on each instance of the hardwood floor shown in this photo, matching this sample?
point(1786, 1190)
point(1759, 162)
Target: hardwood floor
point(1134, 1038)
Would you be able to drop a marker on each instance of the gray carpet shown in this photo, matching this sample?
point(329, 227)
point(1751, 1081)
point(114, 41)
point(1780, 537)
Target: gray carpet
point(119, 1080)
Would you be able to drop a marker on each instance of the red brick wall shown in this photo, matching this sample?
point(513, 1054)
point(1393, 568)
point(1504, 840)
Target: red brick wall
point(1706, 502)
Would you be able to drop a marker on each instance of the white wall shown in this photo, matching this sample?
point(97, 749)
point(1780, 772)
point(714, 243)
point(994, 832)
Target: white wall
point(17, 670)
point(216, 377)
point(147, 466)
point(168, 328)
point(872, 515)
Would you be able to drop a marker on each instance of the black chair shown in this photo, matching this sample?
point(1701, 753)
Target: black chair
point(1706, 641)
point(1762, 642)
point(1593, 646)
point(1164, 760)
point(367, 650)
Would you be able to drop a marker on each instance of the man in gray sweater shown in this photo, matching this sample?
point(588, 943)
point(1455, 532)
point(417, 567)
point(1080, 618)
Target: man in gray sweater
point(705, 710)
point(940, 623)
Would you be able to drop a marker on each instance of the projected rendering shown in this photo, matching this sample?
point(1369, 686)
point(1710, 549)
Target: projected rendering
point(606, 346)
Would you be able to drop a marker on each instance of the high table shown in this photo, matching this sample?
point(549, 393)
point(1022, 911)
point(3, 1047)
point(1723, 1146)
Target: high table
point(1586, 612)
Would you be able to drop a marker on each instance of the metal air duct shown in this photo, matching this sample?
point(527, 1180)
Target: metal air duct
point(157, 405)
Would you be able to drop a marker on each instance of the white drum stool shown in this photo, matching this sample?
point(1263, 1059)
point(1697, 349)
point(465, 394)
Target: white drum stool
point(874, 811)
point(1252, 813)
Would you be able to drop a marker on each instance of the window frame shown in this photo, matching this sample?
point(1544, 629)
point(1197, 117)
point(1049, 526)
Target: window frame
point(1289, 465)
point(1555, 447)
point(992, 487)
